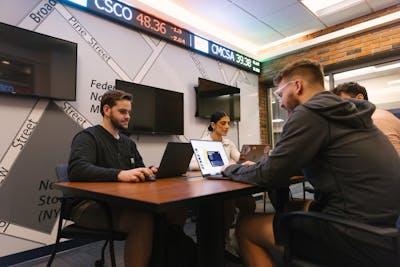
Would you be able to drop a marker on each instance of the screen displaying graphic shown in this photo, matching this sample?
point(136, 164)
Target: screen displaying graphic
point(215, 158)
point(210, 155)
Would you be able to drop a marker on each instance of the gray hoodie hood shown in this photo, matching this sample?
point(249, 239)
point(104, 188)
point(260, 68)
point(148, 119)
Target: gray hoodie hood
point(350, 112)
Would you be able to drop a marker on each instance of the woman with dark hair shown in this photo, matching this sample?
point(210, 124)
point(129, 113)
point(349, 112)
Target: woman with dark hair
point(218, 129)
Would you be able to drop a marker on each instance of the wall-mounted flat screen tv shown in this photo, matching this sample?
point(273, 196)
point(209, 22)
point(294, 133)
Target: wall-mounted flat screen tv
point(36, 64)
point(155, 111)
point(212, 96)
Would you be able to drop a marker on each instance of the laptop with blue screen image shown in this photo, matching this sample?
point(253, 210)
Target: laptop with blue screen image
point(210, 156)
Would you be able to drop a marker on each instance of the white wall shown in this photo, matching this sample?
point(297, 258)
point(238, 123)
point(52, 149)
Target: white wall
point(135, 57)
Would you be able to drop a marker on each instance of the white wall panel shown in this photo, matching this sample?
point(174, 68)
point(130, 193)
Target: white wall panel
point(135, 56)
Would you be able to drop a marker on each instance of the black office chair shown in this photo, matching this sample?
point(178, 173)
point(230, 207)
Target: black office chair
point(74, 231)
point(291, 239)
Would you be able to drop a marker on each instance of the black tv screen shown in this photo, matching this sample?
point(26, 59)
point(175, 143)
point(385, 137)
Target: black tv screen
point(212, 96)
point(154, 110)
point(35, 64)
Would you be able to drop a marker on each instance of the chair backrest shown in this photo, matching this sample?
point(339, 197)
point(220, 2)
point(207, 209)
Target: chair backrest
point(67, 200)
point(62, 173)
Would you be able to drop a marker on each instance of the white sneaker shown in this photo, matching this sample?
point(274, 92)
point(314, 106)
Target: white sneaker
point(231, 244)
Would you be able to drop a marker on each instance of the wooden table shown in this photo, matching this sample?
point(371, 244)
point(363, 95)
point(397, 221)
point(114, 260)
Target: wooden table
point(205, 195)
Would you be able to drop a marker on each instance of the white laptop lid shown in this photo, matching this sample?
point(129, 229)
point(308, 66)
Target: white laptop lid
point(210, 156)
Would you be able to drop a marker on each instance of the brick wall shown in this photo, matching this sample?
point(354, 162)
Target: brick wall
point(264, 126)
point(351, 49)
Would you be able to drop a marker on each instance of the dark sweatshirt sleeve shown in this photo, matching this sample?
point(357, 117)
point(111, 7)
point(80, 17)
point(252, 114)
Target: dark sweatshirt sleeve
point(138, 158)
point(81, 166)
point(302, 137)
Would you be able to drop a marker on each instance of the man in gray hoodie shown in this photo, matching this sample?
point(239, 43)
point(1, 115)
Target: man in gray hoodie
point(351, 164)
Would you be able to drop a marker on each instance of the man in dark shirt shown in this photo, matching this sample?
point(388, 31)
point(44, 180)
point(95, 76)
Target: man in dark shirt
point(102, 153)
point(351, 164)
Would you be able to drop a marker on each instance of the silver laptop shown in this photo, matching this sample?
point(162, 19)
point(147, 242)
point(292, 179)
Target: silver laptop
point(210, 156)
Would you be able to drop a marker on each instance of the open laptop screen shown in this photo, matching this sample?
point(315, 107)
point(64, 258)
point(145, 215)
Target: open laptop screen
point(175, 160)
point(253, 152)
point(210, 155)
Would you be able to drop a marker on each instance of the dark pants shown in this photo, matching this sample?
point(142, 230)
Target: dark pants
point(332, 245)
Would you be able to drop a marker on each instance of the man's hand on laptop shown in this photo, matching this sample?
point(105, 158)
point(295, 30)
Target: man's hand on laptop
point(135, 175)
point(248, 163)
point(226, 166)
point(153, 168)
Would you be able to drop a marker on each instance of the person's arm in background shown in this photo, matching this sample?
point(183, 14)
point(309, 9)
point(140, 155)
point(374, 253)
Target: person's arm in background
point(235, 154)
point(389, 125)
point(232, 151)
point(193, 165)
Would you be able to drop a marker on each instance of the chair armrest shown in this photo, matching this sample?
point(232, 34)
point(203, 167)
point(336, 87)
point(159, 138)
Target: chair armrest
point(297, 179)
point(288, 218)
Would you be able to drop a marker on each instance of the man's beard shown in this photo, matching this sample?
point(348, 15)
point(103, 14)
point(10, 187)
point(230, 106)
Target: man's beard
point(116, 124)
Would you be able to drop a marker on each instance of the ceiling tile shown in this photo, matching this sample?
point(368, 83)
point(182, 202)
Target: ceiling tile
point(203, 8)
point(262, 35)
point(235, 20)
point(262, 8)
point(306, 26)
point(199, 4)
point(260, 22)
point(377, 5)
point(290, 17)
point(347, 14)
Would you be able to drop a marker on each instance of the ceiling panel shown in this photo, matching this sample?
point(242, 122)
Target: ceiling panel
point(306, 26)
point(232, 11)
point(260, 22)
point(259, 36)
point(346, 14)
point(298, 16)
point(250, 29)
point(377, 5)
point(204, 7)
point(262, 8)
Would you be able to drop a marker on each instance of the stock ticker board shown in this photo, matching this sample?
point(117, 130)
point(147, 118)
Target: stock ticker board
point(142, 21)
